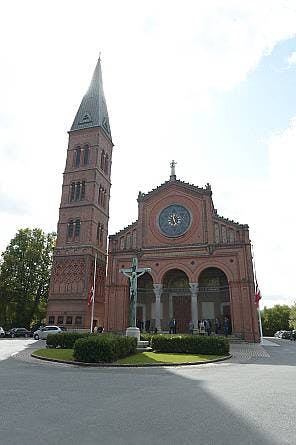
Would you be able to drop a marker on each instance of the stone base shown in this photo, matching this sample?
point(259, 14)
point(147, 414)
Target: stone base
point(143, 346)
point(133, 332)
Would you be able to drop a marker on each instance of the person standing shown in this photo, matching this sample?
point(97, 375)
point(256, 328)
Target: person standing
point(147, 325)
point(217, 325)
point(202, 330)
point(226, 326)
point(191, 327)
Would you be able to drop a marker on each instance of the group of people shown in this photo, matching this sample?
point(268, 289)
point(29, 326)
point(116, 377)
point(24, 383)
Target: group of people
point(204, 326)
point(140, 325)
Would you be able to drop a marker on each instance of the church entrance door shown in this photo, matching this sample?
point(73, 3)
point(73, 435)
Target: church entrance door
point(182, 311)
point(214, 299)
point(176, 300)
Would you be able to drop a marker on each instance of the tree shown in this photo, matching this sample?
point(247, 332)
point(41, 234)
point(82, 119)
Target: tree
point(292, 321)
point(275, 319)
point(24, 277)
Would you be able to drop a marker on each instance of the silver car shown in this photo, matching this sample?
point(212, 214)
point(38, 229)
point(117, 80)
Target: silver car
point(42, 333)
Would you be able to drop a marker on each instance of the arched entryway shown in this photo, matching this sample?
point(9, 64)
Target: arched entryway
point(146, 303)
point(213, 297)
point(176, 300)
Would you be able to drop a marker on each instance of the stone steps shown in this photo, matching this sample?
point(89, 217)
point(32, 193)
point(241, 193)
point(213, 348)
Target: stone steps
point(143, 346)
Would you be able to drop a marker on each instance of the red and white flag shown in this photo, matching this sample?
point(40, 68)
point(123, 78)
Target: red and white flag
point(90, 296)
point(257, 295)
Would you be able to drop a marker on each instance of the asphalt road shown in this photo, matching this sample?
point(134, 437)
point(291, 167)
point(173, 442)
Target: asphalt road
point(233, 403)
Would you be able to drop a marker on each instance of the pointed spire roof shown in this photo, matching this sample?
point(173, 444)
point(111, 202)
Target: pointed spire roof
point(93, 109)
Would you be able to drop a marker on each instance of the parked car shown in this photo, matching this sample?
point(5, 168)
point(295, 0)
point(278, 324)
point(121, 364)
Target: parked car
point(278, 333)
point(286, 335)
point(2, 332)
point(293, 335)
point(18, 332)
point(43, 332)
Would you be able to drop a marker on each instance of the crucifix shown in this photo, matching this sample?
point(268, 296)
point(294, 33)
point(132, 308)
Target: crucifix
point(173, 171)
point(133, 273)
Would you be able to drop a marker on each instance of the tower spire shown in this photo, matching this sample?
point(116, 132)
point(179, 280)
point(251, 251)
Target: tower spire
point(93, 109)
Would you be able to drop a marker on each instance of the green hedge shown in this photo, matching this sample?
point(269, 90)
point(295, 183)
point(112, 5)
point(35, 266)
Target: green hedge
point(190, 344)
point(64, 340)
point(104, 348)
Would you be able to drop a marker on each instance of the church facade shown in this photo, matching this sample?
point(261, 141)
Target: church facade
point(200, 263)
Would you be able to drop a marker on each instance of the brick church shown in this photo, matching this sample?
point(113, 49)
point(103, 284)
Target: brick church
point(201, 263)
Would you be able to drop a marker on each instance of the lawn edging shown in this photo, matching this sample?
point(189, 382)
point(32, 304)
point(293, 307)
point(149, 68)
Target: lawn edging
point(136, 365)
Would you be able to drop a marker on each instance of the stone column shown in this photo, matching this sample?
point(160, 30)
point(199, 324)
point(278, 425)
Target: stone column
point(157, 292)
point(194, 308)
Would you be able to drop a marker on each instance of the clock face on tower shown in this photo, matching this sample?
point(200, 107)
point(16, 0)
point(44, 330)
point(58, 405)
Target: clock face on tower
point(174, 220)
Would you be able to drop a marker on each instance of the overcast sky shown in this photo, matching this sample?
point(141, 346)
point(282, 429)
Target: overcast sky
point(211, 84)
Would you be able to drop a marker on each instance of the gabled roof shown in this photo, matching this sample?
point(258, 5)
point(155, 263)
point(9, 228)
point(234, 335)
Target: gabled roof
point(93, 109)
point(125, 229)
point(165, 185)
point(227, 220)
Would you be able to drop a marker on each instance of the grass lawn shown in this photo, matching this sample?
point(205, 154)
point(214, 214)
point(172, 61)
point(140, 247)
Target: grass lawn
point(137, 359)
point(60, 354)
point(160, 357)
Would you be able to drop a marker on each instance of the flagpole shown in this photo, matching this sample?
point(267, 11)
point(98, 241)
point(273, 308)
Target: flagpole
point(257, 303)
point(93, 298)
point(260, 324)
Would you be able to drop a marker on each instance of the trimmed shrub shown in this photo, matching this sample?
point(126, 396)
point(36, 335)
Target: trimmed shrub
point(104, 349)
point(65, 340)
point(189, 344)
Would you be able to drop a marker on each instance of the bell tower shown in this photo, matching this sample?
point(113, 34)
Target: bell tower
point(83, 215)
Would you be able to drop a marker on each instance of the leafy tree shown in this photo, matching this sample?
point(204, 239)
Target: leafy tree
point(292, 321)
point(275, 318)
point(24, 277)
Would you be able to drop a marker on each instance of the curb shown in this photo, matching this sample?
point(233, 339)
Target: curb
point(144, 365)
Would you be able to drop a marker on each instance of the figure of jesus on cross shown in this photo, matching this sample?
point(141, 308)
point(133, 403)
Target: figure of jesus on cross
point(133, 274)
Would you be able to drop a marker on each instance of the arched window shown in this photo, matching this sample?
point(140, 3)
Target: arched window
point(103, 160)
point(101, 234)
point(70, 228)
point(77, 228)
point(104, 198)
point(77, 191)
point(106, 164)
point(82, 196)
point(100, 195)
point(100, 231)
point(72, 191)
point(85, 154)
point(78, 320)
point(77, 154)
